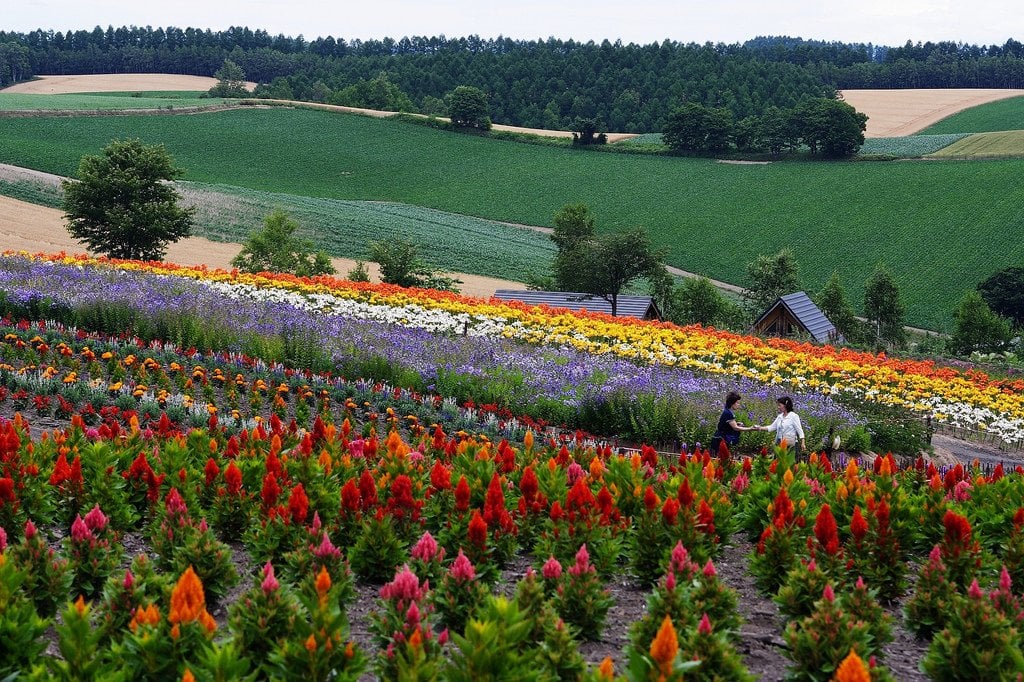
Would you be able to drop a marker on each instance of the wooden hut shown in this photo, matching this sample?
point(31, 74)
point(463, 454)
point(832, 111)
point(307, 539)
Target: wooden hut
point(642, 307)
point(796, 315)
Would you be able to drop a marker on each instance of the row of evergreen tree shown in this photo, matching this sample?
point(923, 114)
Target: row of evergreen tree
point(537, 83)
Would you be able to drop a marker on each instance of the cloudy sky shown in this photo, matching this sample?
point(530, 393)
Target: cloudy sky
point(883, 22)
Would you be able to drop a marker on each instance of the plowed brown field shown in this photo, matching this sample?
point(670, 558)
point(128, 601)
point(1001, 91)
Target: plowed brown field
point(895, 113)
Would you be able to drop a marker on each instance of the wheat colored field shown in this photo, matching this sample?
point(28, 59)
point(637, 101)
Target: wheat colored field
point(120, 82)
point(895, 113)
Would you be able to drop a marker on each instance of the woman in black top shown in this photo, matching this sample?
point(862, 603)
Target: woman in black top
point(728, 428)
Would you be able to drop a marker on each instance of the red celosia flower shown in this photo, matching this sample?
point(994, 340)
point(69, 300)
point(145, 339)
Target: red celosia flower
point(580, 501)
point(440, 476)
point(1018, 518)
point(367, 490)
point(478, 530)
point(858, 525)
point(298, 504)
point(826, 530)
point(783, 509)
point(350, 500)
point(6, 490)
point(61, 470)
point(685, 495)
point(270, 491)
point(958, 529)
point(462, 494)
point(670, 510)
point(401, 503)
point(650, 499)
point(528, 485)
point(494, 502)
point(211, 470)
point(706, 517)
point(556, 512)
point(233, 478)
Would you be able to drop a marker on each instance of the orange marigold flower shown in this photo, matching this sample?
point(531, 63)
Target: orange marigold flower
point(665, 646)
point(852, 669)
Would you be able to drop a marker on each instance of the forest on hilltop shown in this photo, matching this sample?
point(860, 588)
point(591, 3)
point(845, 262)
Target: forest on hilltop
point(536, 83)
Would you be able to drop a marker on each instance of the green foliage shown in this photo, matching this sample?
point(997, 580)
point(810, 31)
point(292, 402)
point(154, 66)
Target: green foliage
point(108, 101)
point(697, 129)
point(122, 206)
point(262, 618)
point(829, 126)
point(230, 81)
point(47, 581)
point(803, 586)
point(79, 645)
point(20, 627)
point(358, 273)
point(770, 278)
point(586, 131)
point(976, 643)
point(934, 599)
point(276, 248)
point(377, 93)
point(977, 328)
point(467, 107)
point(883, 308)
point(820, 642)
point(400, 264)
point(832, 302)
point(494, 647)
point(377, 551)
point(698, 301)
point(1003, 291)
point(581, 599)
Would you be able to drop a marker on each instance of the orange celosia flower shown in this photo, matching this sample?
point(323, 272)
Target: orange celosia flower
point(147, 615)
point(80, 606)
point(528, 441)
point(188, 602)
point(323, 584)
point(852, 669)
point(665, 646)
point(188, 676)
point(311, 644)
point(606, 671)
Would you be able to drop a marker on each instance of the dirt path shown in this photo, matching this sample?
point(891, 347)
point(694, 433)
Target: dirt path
point(895, 113)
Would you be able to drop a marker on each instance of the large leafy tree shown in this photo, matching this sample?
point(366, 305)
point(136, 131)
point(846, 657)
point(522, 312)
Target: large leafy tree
point(829, 126)
point(277, 248)
point(698, 301)
point(122, 204)
point(230, 81)
point(883, 307)
point(771, 277)
point(467, 107)
point(697, 129)
point(977, 327)
point(1004, 293)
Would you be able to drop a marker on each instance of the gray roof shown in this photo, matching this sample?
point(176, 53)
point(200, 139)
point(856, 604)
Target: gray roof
point(808, 315)
point(627, 306)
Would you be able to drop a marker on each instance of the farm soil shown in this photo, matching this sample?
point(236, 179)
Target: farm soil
point(121, 82)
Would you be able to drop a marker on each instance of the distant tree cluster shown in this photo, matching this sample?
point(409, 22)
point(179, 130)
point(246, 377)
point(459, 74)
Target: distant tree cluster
point(830, 127)
point(540, 84)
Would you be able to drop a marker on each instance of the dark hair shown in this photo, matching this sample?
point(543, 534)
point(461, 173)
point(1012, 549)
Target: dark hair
point(731, 398)
point(786, 402)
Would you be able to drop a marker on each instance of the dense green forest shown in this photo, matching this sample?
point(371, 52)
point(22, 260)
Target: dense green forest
point(550, 83)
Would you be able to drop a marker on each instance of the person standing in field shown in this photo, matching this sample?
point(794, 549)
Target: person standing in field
point(787, 426)
point(729, 429)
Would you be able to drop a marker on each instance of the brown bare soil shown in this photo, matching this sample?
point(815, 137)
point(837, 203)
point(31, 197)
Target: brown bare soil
point(35, 229)
point(120, 82)
point(895, 113)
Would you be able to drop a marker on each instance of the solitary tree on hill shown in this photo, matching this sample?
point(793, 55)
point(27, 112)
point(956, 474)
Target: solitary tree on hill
point(883, 308)
point(1004, 293)
point(123, 205)
point(468, 108)
point(230, 81)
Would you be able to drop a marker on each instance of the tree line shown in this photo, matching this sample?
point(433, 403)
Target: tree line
point(538, 83)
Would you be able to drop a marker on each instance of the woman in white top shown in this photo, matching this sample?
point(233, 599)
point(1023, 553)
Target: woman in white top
point(787, 426)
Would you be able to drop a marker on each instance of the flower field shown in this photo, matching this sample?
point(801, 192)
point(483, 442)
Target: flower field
point(200, 471)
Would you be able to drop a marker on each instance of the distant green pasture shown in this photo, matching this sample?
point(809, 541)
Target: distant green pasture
point(940, 226)
point(1004, 114)
point(10, 101)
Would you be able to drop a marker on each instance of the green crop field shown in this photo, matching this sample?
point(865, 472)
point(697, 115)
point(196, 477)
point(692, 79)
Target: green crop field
point(102, 101)
point(941, 227)
point(1006, 143)
point(1006, 114)
point(909, 146)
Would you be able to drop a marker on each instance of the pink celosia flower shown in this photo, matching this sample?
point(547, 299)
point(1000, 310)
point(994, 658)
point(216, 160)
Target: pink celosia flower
point(425, 548)
point(326, 550)
point(96, 520)
point(129, 580)
point(412, 615)
point(30, 530)
point(709, 570)
point(356, 447)
point(860, 583)
point(405, 587)
point(270, 583)
point(828, 594)
point(175, 505)
point(974, 591)
point(442, 639)
point(740, 483)
point(705, 625)
point(552, 569)
point(3, 539)
point(316, 524)
point(462, 569)
point(670, 580)
point(1005, 584)
point(79, 531)
point(574, 473)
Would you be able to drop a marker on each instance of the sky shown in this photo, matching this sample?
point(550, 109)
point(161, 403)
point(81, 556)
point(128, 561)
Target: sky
point(882, 22)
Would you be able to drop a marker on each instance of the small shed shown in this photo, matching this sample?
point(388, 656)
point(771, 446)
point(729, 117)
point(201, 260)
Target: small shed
point(795, 314)
point(641, 307)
